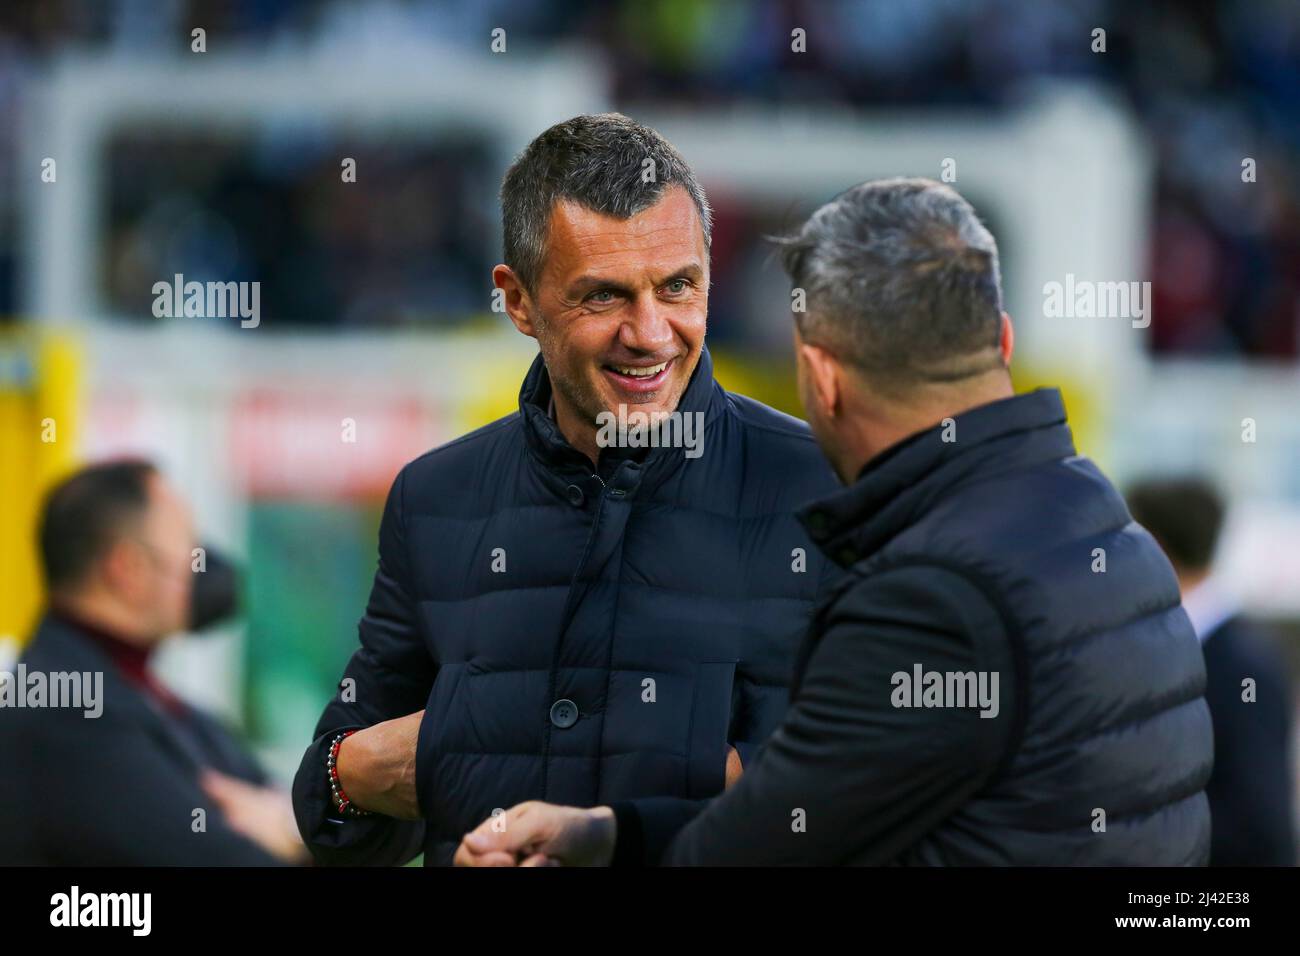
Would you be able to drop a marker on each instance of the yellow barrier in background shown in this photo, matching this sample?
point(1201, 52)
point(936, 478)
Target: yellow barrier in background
point(39, 381)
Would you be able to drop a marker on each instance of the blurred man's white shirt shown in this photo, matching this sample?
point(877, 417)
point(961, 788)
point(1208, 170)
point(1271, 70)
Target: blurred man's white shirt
point(1209, 605)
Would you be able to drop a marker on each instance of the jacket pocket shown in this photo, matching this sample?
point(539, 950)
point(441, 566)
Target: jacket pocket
point(706, 748)
point(433, 727)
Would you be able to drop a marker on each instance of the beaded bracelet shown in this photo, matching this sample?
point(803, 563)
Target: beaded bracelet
point(341, 802)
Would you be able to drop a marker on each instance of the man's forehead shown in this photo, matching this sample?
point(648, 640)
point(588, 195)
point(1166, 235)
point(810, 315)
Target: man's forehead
point(668, 233)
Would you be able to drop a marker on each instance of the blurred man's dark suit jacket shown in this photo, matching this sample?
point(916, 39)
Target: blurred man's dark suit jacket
point(1251, 790)
point(120, 789)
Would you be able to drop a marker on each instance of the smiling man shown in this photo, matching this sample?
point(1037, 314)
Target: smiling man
point(564, 611)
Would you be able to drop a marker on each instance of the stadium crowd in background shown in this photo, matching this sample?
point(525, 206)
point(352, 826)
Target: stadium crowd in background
point(1205, 79)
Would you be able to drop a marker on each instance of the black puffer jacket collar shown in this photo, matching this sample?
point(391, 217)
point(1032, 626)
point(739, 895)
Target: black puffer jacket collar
point(897, 487)
point(552, 450)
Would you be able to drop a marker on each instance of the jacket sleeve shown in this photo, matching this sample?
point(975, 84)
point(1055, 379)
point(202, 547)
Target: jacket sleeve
point(852, 774)
point(390, 675)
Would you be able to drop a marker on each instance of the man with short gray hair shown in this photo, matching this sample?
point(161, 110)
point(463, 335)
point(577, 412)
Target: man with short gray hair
point(1006, 675)
point(597, 597)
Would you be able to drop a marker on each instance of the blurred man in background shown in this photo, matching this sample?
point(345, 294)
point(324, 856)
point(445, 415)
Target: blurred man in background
point(970, 695)
point(1252, 788)
point(135, 776)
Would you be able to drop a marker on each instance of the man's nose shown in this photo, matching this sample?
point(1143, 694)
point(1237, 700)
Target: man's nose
point(647, 328)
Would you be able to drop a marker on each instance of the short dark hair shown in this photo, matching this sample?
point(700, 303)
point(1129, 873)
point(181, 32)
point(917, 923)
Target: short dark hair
point(1185, 514)
point(594, 160)
point(900, 280)
point(85, 514)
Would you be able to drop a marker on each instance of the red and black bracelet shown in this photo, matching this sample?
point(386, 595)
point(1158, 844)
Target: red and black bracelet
point(341, 802)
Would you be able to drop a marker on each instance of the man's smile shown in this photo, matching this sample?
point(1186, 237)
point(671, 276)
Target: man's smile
point(638, 379)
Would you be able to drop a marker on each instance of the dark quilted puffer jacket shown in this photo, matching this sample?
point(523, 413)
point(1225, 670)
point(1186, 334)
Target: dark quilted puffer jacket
point(985, 546)
point(573, 636)
point(1109, 677)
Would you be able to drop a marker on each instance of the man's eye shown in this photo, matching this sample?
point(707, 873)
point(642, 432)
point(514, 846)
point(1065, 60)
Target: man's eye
point(677, 286)
point(601, 297)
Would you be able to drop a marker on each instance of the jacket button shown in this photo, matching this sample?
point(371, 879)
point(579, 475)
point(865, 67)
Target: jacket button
point(564, 713)
point(576, 497)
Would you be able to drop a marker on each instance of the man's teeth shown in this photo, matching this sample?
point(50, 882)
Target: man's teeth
point(648, 372)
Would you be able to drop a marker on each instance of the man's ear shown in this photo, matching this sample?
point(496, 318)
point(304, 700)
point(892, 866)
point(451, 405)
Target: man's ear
point(518, 303)
point(825, 376)
point(1007, 340)
point(120, 569)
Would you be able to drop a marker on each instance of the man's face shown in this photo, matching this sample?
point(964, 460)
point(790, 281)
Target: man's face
point(161, 581)
point(620, 308)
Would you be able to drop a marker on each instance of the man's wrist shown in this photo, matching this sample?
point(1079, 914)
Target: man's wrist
point(340, 796)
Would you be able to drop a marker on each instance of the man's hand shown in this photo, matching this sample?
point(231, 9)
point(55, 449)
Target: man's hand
point(733, 767)
point(262, 814)
point(376, 767)
point(541, 834)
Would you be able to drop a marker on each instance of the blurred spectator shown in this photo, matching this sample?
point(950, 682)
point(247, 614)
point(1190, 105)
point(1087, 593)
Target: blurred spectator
point(1251, 788)
point(105, 766)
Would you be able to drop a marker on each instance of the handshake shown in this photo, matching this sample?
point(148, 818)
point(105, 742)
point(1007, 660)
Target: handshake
point(377, 769)
point(541, 834)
